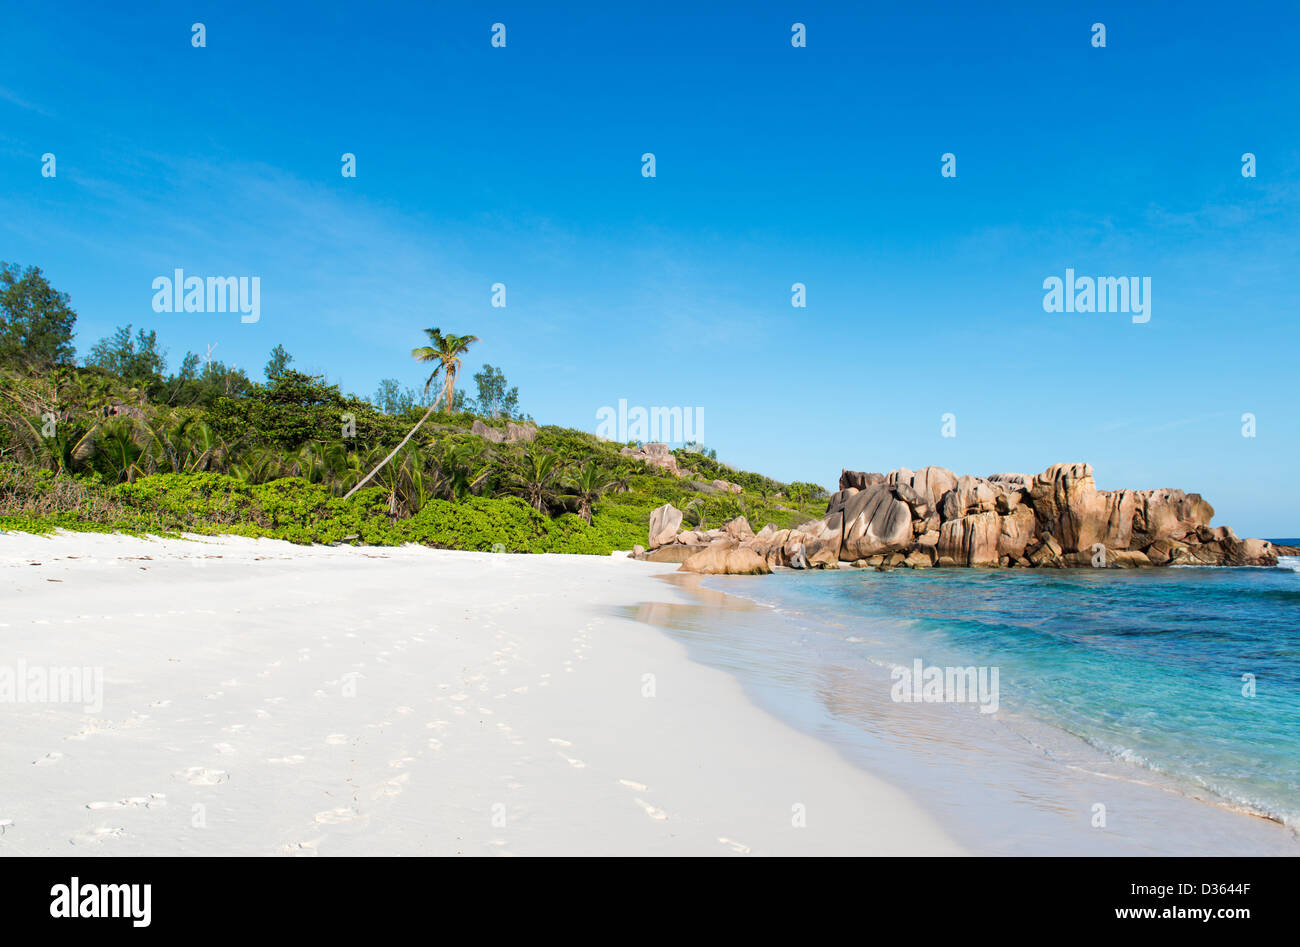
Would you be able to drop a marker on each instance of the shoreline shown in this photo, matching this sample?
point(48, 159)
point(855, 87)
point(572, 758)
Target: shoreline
point(265, 698)
point(1015, 764)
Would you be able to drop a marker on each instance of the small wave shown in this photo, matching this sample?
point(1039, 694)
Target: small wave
point(1288, 563)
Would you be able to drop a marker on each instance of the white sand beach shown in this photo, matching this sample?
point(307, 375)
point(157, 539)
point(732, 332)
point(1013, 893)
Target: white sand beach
point(260, 698)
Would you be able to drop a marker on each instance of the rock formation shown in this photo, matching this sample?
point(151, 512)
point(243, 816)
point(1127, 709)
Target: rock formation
point(932, 517)
point(654, 455)
point(512, 433)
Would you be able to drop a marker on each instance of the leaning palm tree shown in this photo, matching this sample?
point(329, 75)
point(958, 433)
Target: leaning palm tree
point(445, 351)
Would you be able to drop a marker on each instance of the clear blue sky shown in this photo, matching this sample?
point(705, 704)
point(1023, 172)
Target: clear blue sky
point(774, 165)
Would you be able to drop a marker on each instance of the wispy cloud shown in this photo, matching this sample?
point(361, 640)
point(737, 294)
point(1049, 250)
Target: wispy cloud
point(14, 99)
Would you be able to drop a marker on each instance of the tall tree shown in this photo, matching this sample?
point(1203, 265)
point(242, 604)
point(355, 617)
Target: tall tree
point(445, 351)
point(279, 363)
point(36, 320)
point(495, 400)
point(392, 398)
point(132, 358)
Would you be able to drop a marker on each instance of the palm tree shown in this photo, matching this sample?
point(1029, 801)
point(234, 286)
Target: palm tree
point(64, 449)
point(117, 451)
point(537, 478)
point(446, 350)
point(590, 482)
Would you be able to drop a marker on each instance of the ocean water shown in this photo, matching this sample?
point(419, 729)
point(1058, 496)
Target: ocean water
point(1154, 692)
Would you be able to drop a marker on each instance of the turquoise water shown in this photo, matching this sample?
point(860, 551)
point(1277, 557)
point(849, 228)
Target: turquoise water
point(1146, 666)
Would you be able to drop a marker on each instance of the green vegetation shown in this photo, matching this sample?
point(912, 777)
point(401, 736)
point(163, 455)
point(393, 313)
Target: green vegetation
point(116, 444)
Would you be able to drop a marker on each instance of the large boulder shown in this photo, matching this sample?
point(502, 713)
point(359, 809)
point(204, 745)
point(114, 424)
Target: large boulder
point(1015, 530)
point(859, 480)
point(971, 540)
point(839, 499)
point(727, 557)
point(968, 495)
point(664, 522)
point(1068, 505)
point(1167, 514)
point(771, 546)
point(739, 529)
point(674, 552)
point(930, 483)
point(821, 540)
point(1250, 552)
point(875, 522)
point(1011, 489)
point(1117, 518)
point(654, 455)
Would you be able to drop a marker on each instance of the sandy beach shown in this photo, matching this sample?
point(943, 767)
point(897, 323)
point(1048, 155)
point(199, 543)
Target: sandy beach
point(261, 698)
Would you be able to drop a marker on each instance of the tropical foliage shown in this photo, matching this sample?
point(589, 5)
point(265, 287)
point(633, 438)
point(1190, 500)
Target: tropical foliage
point(116, 444)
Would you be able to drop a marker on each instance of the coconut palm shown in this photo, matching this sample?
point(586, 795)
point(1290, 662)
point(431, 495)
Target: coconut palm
point(445, 351)
point(693, 513)
point(259, 465)
point(461, 467)
point(117, 451)
point(403, 481)
point(590, 483)
point(65, 448)
point(537, 478)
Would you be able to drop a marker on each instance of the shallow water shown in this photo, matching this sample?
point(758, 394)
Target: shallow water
point(1120, 696)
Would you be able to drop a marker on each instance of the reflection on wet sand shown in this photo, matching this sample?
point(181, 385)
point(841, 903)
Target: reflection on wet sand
point(1002, 784)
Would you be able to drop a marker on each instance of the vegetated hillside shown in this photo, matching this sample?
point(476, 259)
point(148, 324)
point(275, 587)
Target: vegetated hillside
point(85, 449)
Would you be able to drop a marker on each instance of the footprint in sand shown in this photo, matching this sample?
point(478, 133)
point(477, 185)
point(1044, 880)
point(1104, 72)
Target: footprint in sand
point(301, 849)
point(656, 814)
point(151, 801)
point(335, 816)
point(737, 847)
point(201, 776)
point(101, 834)
point(393, 787)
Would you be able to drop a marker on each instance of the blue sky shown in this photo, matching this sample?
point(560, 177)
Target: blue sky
point(775, 165)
